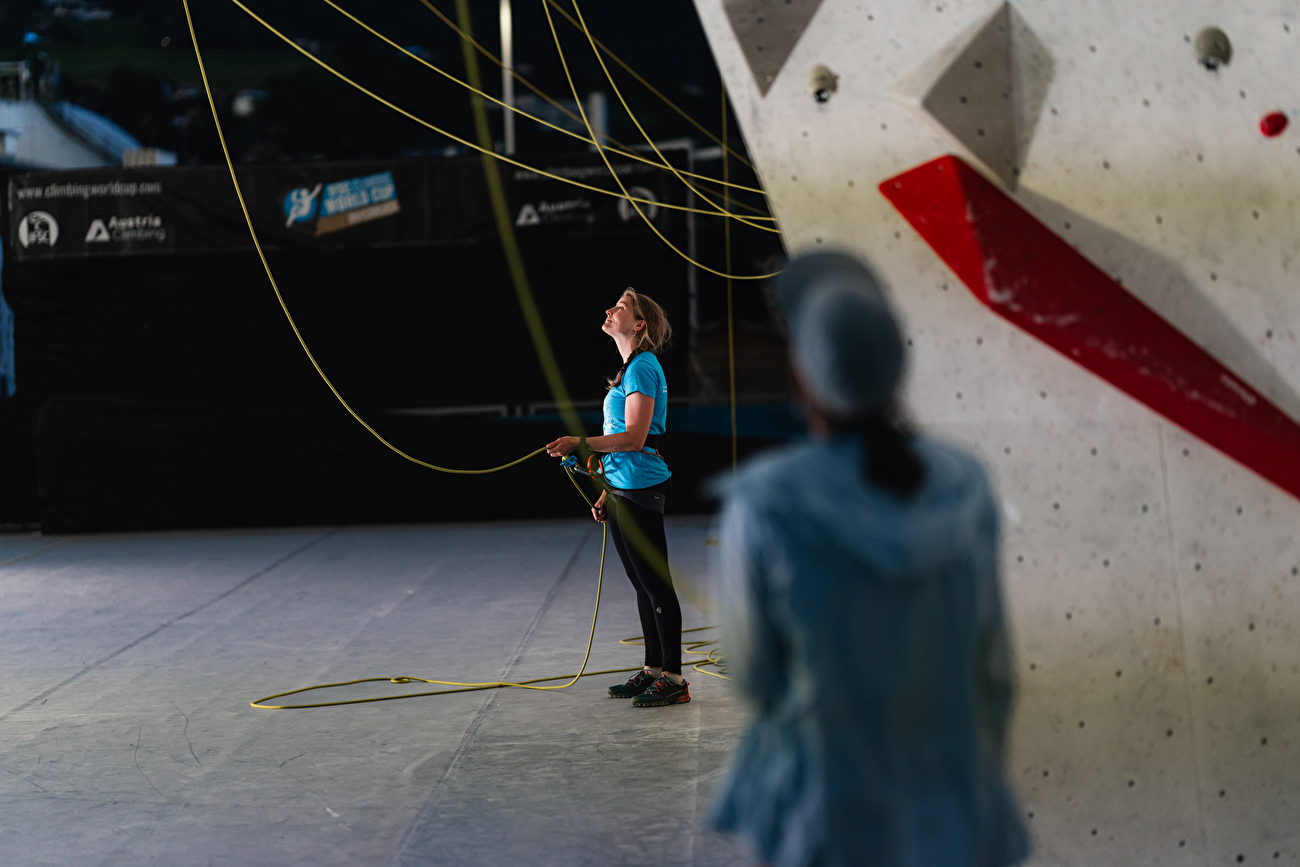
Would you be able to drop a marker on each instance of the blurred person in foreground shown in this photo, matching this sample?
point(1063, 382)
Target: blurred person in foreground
point(862, 619)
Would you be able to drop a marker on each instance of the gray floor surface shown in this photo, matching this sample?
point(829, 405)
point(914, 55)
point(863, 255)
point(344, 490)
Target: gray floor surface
point(1157, 717)
point(129, 662)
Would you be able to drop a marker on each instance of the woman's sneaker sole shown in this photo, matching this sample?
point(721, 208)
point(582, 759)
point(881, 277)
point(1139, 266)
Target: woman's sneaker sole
point(664, 695)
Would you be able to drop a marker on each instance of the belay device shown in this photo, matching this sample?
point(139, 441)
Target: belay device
point(647, 498)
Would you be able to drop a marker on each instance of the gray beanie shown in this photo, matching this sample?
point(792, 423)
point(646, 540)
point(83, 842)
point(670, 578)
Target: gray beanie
point(844, 339)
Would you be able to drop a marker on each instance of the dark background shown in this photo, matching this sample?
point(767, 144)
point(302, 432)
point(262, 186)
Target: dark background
point(120, 68)
point(166, 390)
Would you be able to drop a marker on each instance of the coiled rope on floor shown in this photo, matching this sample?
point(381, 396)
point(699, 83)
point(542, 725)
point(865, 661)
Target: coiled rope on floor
point(702, 647)
point(706, 647)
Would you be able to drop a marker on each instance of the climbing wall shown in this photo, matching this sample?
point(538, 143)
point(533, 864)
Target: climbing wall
point(1110, 285)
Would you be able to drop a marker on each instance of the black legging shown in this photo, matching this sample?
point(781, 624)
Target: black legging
point(656, 601)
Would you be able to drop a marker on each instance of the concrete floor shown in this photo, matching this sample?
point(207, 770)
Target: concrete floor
point(1157, 720)
point(128, 663)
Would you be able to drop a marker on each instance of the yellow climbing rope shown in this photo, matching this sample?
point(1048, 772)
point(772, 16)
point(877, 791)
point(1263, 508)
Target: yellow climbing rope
point(458, 139)
point(510, 246)
point(650, 141)
point(635, 202)
point(248, 220)
point(711, 658)
point(456, 686)
point(621, 150)
point(650, 87)
point(699, 647)
point(695, 647)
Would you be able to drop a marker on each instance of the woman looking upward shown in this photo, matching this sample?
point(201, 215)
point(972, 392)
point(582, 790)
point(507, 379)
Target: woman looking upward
point(636, 414)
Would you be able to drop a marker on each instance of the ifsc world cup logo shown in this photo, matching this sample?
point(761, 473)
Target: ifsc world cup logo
point(300, 205)
point(38, 229)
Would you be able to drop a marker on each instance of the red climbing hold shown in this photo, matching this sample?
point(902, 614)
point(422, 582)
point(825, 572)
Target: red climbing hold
point(1029, 276)
point(1273, 124)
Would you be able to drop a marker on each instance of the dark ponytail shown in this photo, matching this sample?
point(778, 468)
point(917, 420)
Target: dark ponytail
point(888, 460)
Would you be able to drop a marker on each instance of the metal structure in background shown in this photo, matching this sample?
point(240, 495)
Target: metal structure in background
point(506, 15)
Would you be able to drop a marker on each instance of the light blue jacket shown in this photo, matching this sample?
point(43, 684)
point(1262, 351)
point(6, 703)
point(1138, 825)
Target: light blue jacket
point(867, 635)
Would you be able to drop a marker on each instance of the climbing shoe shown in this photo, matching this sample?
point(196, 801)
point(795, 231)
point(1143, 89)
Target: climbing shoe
point(636, 684)
point(663, 691)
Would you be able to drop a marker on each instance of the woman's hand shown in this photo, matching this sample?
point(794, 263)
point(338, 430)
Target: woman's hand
point(562, 447)
point(598, 511)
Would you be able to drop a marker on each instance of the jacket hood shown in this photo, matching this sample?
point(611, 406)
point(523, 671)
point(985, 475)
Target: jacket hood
point(820, 487)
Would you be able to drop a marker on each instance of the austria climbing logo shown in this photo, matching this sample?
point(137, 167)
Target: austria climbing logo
point(528, 216)
point(567, 211)
point(141, 227)
point(38, 229)
point(97, 233)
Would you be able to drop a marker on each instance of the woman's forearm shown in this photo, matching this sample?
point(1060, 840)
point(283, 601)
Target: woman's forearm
point(618, 442)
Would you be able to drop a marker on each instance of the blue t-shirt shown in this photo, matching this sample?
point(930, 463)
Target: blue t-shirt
point(637, 469)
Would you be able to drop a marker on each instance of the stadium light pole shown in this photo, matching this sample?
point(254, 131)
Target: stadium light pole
point(507, 79)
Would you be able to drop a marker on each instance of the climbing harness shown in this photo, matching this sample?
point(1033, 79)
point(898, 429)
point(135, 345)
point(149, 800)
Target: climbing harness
point(648, 498)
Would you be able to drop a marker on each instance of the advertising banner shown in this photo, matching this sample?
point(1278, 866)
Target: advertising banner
point(127, 212)
point(142, 284)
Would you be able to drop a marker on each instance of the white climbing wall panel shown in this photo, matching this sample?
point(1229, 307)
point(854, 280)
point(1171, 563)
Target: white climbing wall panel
point(1154, 584)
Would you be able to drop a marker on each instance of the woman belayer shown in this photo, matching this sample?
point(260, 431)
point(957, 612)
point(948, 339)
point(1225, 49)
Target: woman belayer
point(635, 415)
point(861, 614)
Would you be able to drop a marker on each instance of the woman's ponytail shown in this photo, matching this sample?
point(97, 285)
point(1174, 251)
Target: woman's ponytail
point(888, 459)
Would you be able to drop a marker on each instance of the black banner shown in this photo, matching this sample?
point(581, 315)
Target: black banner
point(142, 284)
point(111, 212)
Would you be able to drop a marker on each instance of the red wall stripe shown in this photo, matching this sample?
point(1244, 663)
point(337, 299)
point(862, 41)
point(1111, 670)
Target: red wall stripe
point(1026, 274)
